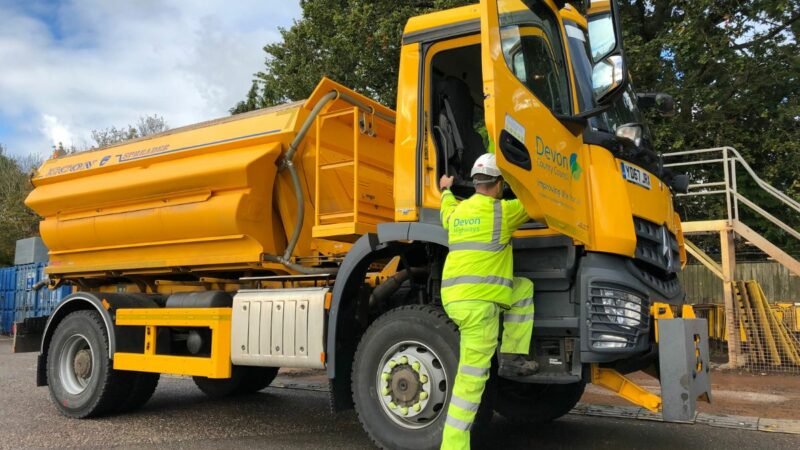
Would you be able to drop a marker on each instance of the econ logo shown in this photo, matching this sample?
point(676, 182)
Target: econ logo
point(574, 167)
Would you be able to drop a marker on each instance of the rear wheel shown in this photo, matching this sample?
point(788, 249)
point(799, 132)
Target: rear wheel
point(220, 387)
point(256, 379)
point(142, 388)
point(402, 377)
point(80, 375)
point(243, 380)
point(536, 403)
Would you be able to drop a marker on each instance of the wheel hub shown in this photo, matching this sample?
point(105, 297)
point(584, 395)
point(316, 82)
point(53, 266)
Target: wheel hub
point(411, 384)
point(405, 386)
point(83, 363)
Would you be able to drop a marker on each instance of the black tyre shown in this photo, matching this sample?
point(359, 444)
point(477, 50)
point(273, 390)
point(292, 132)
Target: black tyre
point(142, 388)
point(417, 346)
point(535, 403)
point(255, 379)
point(221, 387)
point(80, 375)
point(243, 380)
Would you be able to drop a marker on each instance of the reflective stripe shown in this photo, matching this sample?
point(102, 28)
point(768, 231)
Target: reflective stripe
point(485, 246)
point(474, 371)
point(523, 303)
point(498, 221)
point(464, 404)
point(517, 317)
point(473, 279)
point(458, 423)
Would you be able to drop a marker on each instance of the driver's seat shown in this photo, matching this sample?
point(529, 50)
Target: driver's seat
point(459, 141)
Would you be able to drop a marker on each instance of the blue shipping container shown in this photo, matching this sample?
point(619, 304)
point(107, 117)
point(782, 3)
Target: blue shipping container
point(18, 299)
point(6, 321)
point(8, 279)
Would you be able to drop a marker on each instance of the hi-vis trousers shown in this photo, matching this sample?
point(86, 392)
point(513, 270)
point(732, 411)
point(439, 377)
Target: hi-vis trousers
point(478, 322)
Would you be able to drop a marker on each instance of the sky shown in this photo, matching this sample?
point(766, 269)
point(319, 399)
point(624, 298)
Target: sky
point(71, 66)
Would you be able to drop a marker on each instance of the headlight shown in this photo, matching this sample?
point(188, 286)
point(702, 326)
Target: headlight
point(621, 307)
point(610, 341)
point(617, 316)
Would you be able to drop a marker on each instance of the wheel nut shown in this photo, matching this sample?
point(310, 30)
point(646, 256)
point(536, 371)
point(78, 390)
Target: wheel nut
point(415, 366)
point(403, 360)
point(404, 410)
point(385, 391)
point(386, 376)
point(417, 407)
point(392, 364)
point(392, 405)
point(423, 379)
point(423, 395)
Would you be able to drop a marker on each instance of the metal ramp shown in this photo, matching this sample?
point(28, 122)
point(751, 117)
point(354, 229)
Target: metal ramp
point(734, 168)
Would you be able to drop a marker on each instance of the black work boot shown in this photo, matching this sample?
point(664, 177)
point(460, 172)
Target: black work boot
point(513, 365)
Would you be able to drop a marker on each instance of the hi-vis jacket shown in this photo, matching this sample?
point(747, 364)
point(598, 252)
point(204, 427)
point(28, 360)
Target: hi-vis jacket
point(480, 264)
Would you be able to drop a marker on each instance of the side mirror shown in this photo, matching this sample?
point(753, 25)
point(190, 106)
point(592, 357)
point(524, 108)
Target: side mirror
point(663, 103)
point(609, 74)
point(680, 183)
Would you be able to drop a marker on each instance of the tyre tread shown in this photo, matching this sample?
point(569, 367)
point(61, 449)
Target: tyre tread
point(436, 312)
point(115, 386)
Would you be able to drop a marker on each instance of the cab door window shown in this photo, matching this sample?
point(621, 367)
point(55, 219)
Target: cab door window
point(533, 50)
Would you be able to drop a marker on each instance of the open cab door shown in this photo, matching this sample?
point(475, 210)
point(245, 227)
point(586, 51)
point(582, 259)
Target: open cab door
point(529, 112)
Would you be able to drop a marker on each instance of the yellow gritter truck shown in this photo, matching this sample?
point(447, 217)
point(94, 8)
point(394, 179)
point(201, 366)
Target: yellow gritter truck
point(308, 235)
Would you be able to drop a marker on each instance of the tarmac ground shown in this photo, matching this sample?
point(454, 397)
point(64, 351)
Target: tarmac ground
point(295, 414)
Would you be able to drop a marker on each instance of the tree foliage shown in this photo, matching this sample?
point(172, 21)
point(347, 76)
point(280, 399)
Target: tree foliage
point(16, 220)
point(731, 65)
point(734, 70)
point(146, 126)
point(354, 42)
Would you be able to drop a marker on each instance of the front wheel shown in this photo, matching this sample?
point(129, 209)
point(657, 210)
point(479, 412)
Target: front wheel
point(402, 377)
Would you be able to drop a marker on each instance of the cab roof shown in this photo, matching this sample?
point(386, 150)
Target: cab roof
point(464, 18)
point(460, 20)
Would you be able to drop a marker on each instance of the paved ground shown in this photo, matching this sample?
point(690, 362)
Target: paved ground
point(179, 416)
point(734, 393)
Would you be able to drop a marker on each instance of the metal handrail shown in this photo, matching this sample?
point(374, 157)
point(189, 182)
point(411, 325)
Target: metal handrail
point(731, 159)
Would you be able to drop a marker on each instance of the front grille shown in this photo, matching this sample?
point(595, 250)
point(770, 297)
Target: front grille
point(656, 246)
point(617, 316)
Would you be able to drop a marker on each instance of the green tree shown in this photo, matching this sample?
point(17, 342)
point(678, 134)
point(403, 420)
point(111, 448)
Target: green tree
point(354, 42)
point(16, 220)
point(250, 103)
point(146, 126)
point(734, 69)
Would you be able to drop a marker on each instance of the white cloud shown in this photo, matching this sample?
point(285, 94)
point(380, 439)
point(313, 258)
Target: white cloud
point(55, 131)
point(72, 66)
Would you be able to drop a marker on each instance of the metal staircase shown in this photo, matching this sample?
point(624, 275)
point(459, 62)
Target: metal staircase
point(729, 227)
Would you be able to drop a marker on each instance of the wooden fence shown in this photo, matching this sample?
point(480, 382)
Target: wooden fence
point(702, 286)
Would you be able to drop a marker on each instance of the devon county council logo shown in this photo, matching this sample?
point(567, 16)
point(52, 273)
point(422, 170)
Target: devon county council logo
point(574, 167)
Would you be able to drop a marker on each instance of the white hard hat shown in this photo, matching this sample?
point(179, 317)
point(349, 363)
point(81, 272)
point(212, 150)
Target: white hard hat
point(486, 164)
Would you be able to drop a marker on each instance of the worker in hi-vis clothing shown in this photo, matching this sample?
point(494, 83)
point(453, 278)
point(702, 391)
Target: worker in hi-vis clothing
point(477, 285)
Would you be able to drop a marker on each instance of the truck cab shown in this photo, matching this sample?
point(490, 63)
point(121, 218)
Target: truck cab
point(604, 243)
